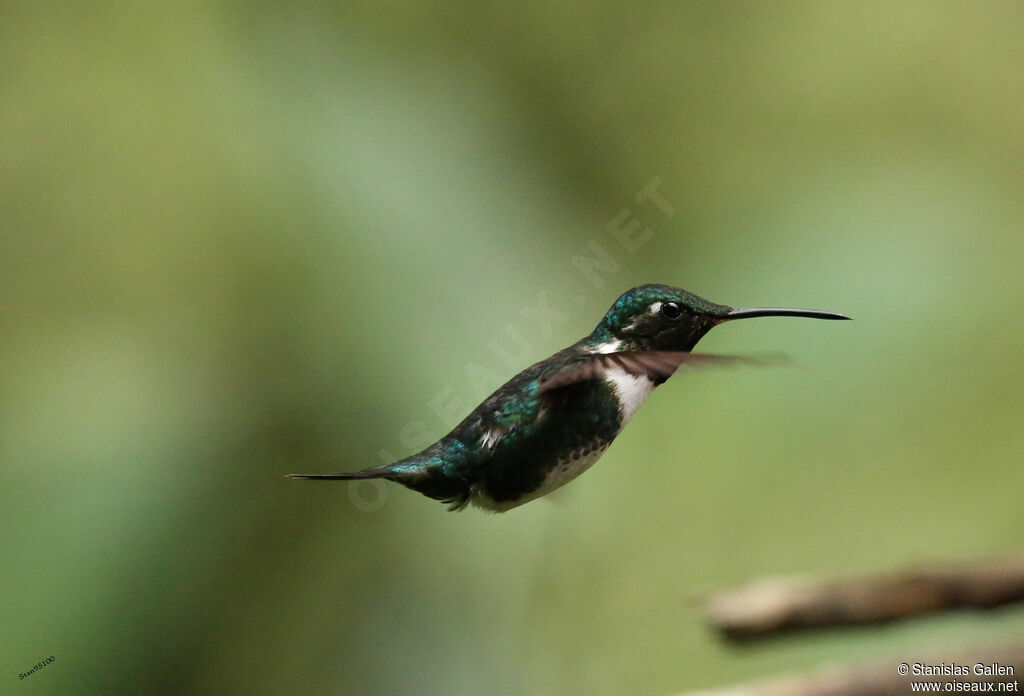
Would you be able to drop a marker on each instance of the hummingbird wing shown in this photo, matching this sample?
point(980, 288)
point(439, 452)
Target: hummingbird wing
point(656, 365)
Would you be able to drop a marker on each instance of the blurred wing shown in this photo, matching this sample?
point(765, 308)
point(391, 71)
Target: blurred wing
point(657, 365)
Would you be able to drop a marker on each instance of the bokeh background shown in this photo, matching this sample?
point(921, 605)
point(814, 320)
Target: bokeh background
point(244, 239)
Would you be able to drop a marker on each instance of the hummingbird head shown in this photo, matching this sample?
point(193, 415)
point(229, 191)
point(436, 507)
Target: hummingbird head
point(662, 317)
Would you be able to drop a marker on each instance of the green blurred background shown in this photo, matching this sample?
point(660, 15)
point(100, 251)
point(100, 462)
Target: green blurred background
point(244, 239)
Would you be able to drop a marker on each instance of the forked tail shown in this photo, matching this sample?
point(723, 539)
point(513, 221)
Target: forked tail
point(386, 471)
point(420, 473)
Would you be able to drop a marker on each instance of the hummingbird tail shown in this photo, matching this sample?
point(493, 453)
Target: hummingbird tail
point(418, 473)
point(375, 472)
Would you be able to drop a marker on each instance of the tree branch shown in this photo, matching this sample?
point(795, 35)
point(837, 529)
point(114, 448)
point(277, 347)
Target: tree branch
point(778, 605)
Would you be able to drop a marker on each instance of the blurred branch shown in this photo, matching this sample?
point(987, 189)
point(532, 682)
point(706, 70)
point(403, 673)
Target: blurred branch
point(777, 605)
point(884, 678)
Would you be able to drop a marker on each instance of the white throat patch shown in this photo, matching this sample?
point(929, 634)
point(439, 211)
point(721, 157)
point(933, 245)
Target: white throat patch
point(631, 390)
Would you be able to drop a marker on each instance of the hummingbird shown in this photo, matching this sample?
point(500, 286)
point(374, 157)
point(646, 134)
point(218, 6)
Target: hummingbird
point(552, 421)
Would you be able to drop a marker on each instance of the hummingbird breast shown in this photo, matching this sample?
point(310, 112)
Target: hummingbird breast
point(572, 436)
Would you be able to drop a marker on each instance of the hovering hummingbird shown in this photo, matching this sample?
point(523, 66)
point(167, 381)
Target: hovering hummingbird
point(552, 421)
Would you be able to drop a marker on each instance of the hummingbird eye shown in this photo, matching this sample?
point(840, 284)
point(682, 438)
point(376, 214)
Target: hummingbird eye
point(671, 310)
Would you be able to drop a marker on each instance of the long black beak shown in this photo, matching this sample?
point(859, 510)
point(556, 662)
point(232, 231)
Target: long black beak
point(750, 312)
